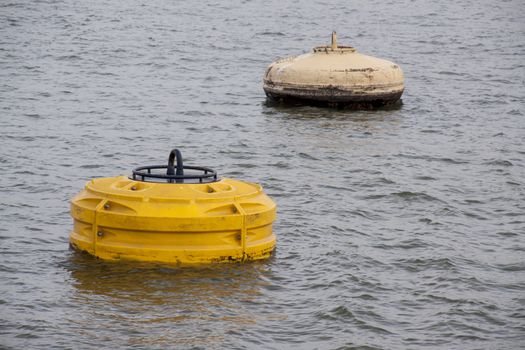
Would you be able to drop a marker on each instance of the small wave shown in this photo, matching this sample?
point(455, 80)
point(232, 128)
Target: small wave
point(434, 159)
point(269, 33)
point(340, 311)
point(306, 156)
point(507, 234)
point(499, 162)
point(473, 201)
point(31, 67)
point(36, 229)
point(415, 196)
point(407, 244)
point(420, 264)
point(12, 4)
point(365, 296)
point(516, 267)
point(515, 112)
point(4, 268)
point(69, 58)
point(344, 313)
point(337, 188)
point(93, 72)
point(91, 166)
point(13, 22)
point(450, 73)
point(429, 221)
point(426, 178)
point(373, 196)
point(246, 165)
point(365, 214)
point(474, 215)
point(24, 172)
point(32, 115)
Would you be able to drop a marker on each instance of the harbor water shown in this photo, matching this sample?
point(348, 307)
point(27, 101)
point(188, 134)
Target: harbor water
point(398, 228)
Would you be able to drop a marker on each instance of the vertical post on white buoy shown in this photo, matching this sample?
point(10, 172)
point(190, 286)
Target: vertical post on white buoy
point(334, 40)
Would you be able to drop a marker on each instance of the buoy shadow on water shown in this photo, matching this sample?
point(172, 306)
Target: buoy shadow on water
point(166, 295)
point(173, 214)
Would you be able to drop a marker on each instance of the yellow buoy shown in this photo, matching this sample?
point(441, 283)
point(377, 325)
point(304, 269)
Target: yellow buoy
point(334, 75)
point(167, 214)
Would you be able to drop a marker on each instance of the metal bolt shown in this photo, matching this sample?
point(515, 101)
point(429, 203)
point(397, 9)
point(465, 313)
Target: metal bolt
point(133, 188)
point(234, 209)
point(106, 206)
point(100, 233)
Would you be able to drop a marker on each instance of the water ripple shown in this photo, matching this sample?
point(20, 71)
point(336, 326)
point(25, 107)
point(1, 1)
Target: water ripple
point(399, 228)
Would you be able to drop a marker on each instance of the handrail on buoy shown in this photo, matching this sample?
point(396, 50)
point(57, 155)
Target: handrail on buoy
point(175, 153)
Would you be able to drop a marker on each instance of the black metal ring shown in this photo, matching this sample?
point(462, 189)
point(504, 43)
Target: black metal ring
point(173, 174)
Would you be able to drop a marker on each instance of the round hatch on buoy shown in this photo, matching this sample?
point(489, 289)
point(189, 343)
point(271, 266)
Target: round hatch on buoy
point(173, 213)
point(334, 75)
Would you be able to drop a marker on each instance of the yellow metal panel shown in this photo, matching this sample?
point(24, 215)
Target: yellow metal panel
point(224, 221)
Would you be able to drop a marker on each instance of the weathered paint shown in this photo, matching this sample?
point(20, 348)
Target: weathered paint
point(334, 74)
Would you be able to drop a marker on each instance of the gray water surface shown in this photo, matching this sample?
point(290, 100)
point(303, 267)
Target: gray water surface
point(400, 228)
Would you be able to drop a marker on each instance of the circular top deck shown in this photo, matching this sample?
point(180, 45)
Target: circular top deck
point(338, 49)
